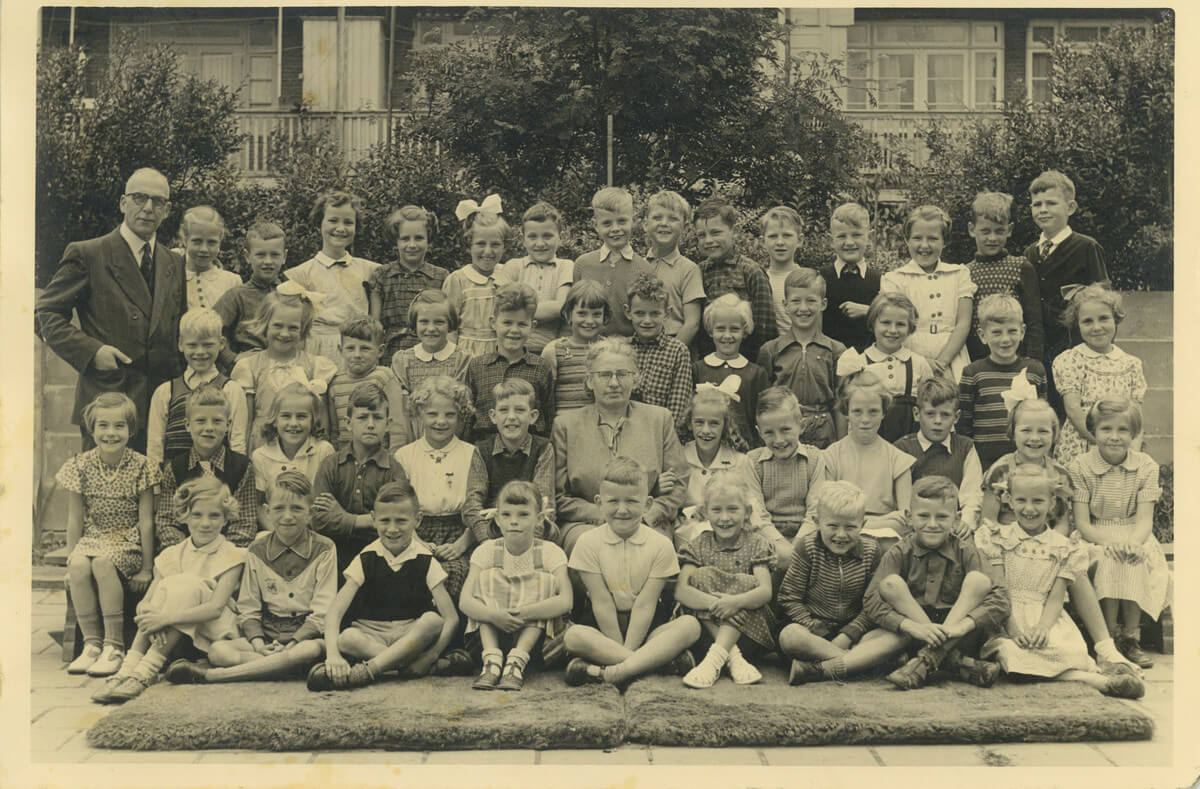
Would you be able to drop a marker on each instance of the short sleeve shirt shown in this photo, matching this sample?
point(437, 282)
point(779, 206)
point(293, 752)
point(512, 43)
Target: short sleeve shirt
point(626, 564)
point(433, 576)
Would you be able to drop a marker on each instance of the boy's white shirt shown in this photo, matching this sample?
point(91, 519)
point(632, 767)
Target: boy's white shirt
point(839, 266)
point(160, 402)
point(1057, 239)
point(970, 493)
point(625, 252)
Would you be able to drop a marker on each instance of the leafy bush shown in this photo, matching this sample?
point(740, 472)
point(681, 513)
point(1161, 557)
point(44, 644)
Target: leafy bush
point(1110, 128)
point(1164, 508)
point(146, 113)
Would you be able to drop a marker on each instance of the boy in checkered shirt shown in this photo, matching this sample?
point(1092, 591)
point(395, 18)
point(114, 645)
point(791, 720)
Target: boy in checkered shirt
point(664, 364)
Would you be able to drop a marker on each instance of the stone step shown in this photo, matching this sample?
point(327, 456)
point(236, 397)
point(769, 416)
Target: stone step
point(1161, 448)
point(1148, 314)
point(1158, 415)
point(1157, 357)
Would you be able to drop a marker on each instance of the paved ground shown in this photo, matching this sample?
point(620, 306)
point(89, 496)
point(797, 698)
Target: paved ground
point(62, 712)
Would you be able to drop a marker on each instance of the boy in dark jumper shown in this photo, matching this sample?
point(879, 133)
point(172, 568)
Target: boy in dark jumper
point(850, 286)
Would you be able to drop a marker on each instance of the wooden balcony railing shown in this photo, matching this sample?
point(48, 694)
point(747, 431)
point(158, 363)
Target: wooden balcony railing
point(356, 132)
point(898, 132)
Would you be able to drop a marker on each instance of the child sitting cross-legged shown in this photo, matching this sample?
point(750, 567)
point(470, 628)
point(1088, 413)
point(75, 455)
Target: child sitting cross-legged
point(946, 619)
point(624, 566)
point(402, 615)
point(512, 453)
point(1036, 564)
point(940, 452)
point(829, 635)
point(726, 583)
point(289, 581)
point(664, 365)
point(191, 596)
point(516, 591)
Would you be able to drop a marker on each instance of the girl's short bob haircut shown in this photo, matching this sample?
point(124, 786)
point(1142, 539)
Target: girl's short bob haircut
point(1094, 292)
point(520, 491)
point(892, 298)
point(272, 302)
point(431, 299)
point(730, 302)
point(928, 213)
point(334, 199)
point(111, 400)
point(862, 381)
point(410, 213)
point(588, 294)
point(1113, 406)
point(442, 386)
point(842, 498)
point(294, 389)
point(730, 435)
point(1029, 408)
point(204, 488)
point(725, 484)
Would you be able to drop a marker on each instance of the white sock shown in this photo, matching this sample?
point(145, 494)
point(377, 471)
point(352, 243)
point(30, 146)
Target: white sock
point(132, 658)
point(717, 654)
point(1107, 650)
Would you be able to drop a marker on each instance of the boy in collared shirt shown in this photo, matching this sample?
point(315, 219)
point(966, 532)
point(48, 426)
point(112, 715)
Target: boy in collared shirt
point(289, 581)
point(511, 453)
point(940, 452)
point(207, 422)
point(664, 366)
point(346, 483)
point(362, 344)
point(805, 359)
point(850, 286)
point(614, 264)
point(931, 588)
point(725, 271)
point(200, 341)
point(238, 306)
point(624, 567)
point(666, 214)
point(1061, 257)
point(515, 306)
point(542, 269)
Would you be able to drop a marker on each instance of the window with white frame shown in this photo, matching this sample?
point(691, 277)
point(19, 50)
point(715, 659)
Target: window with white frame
point(1041, 35)
point(433, 33)
point(925, 65)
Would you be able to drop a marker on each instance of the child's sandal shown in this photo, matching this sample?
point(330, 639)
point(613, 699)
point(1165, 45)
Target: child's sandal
point(514, 676)
point(489, 677)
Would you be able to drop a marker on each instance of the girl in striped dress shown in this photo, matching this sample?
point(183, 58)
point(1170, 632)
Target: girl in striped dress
point(472, 288)
point(585, 312)
point(517, 589)
point(1115, 491)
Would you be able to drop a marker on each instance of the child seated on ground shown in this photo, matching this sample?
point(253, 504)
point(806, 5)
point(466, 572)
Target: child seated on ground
point(829, 635)
point(431, 318)
point(109, 530)
point(664, 365)
point(207, 421)
point(727, 320)
point(943, 453)
point(401, 615)
point(362, 340)
point(516, 592)
point(784, 476)
point(1115, 490)
point(882, 471)
point(191, 595)
point(725, 582)
point(200, 341)
point(711, 452)
point(624, 566)
point(347, 481)
point(266, 252)
point(512, 453)
point(1036, 564)
point(949, 619)
point(288, 583)
point(515, 305)
point(982, 396)
point(585, 314)
point(804, 359)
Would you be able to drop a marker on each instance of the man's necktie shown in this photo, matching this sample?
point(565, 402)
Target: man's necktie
point(147, 267)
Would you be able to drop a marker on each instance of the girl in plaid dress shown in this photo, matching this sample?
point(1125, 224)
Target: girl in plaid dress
point(431, 319)
point(1115, 491)
point(517, 590)
point(394, 286)
point(725, 582)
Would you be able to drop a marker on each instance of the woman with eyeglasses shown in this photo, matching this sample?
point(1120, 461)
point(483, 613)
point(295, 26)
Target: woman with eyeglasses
point(587, 439)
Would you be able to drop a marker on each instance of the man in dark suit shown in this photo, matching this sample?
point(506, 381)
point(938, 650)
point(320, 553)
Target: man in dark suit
point(129, 294)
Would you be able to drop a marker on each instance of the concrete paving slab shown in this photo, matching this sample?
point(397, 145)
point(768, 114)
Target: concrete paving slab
point(624, 755)
point(1137, 754)
point(50, 738)
point(79, 718)
point(1043, 754)
point(144, 757)
point(482, 757)
point(930, 755)
point(832, 756)
point(253, 757)
point(369, 757)
point(694, 756)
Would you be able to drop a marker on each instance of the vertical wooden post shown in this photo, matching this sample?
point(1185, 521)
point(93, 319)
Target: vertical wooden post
point(391, 67)
point(609, 137)
point(339, 102)
point(70, 33)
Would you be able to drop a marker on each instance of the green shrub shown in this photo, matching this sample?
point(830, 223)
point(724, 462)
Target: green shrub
point(1164, 508)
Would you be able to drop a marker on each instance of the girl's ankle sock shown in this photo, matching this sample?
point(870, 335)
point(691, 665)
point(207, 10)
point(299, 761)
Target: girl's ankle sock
point(613, 674)
point(519, 655)
point(132, 658)
point(1107, 650)
point(149, 666)
point(493, 656)
point(718, 654)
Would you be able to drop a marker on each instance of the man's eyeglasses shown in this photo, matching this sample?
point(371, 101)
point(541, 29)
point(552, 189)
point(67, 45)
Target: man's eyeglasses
point(139, 199)
point(607, 375)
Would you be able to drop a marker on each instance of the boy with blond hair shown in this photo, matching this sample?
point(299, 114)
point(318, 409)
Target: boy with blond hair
point(850, 286)
point(614, 264)
point(666, 215)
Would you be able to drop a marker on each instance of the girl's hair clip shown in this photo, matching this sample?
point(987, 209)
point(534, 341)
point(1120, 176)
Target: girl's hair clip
point(468, 208)
point(1069, 292)
point(1020, 390)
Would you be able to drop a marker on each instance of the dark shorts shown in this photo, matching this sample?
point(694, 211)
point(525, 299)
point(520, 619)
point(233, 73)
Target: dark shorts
point(662, 615)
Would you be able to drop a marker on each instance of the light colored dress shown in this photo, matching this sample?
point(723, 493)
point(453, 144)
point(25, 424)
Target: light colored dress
point(473, 295)
point(342, 284)
point(1030, 565)
point(186, 576)
point(1114, 495)
point(262, 376)
point(1092, 375)
point(511, 581)
point(936, 296)
point(110, 505)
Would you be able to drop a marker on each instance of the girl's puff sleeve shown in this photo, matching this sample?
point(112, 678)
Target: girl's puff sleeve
point(147, 477)
point(68, 476)
point(965, 287)
point(763, 552)
point(1148, 489)
point(1068, 372)
point(243, 374)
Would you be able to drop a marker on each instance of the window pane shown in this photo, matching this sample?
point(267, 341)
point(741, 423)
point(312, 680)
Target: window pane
point(943, 66)
point(922, 33)
point(1081, 35)
point(987, 73)
point(1043, 35)
point(1041, 65)
point(1040, 90)
point(857, 34)
point(986, 34)
point(858, 75)
point(897, 86)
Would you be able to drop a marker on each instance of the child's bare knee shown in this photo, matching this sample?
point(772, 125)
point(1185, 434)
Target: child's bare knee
point(574, 639)
point(223, 653)
point(79, 565)
point(430, 624)
point(102, 565)
point(793, 636)
point(688, 627)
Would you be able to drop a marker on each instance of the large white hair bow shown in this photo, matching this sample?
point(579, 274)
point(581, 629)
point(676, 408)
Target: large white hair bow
point(1069, 292)
point(728, 387)
point(314, 385)
point(293, 288)
point(850, 362)
point(490, 205)
point(1020, 389)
